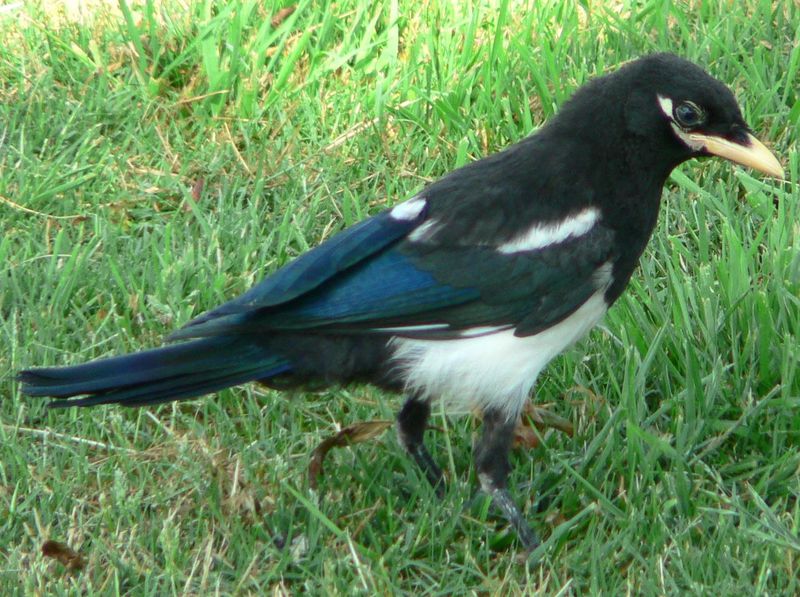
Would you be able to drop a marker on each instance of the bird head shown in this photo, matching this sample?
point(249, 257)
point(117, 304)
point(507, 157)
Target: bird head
point(683, 113)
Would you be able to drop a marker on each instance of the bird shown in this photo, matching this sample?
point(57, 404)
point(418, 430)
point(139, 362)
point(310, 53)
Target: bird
point(464, 292)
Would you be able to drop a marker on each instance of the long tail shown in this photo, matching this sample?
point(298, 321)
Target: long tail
point(155, 376)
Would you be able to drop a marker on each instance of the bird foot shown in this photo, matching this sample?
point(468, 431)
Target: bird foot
point(503, 502)
point(411, 423)
point(428, 465)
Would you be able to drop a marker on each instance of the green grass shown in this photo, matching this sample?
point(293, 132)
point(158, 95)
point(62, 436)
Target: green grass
point(682, 475)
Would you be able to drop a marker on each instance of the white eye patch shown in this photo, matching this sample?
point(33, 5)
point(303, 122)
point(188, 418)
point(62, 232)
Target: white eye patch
point(666, 105)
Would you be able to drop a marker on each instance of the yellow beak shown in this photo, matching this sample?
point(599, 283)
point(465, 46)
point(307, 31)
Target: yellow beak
point(754, 154)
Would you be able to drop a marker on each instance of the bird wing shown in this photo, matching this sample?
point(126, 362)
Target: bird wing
point(313, 268)
point(376, 277)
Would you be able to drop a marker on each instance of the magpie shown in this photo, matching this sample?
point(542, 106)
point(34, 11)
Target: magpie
point(464, 292)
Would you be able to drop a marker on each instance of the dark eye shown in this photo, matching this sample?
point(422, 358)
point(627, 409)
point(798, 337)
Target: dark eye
point(689, 115)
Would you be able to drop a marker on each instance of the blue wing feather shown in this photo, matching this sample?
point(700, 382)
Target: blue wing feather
point(388, 287)
point(312, 269)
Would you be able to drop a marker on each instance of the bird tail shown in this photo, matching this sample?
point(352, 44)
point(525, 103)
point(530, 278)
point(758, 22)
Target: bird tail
point(155, 376)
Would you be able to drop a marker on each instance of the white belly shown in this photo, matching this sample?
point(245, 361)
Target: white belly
point(494, 370)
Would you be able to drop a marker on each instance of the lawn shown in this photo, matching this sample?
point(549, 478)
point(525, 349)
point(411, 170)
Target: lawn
point(158, 158)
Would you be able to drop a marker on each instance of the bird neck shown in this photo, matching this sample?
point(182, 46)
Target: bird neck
point(633, 208)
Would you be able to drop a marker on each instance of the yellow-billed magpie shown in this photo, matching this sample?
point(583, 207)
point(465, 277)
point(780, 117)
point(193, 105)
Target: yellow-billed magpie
point(464, 292)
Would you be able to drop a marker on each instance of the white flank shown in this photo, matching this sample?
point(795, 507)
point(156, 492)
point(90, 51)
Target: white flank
point(541, 236)
point(494, 370)
point(408, 210)
point(666, 105)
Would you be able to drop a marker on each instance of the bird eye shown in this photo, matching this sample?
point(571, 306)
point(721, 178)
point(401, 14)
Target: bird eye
point(688, 114)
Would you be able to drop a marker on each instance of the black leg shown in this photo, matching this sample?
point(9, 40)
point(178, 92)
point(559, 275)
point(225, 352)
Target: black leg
point(491, 462)
point(411, 423)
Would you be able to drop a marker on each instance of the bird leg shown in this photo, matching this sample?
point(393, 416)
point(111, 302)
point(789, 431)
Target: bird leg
point(411, 423)
point(491, 463)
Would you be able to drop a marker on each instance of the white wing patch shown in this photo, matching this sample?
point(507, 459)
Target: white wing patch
point(494, 370)
point(440, 327)
point(424, 232)
point(540, 236)
point(482, 330)
point(408, 210)
point(407, 329)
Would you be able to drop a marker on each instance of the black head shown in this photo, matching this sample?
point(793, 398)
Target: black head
point(659, 111)
point(686, 113)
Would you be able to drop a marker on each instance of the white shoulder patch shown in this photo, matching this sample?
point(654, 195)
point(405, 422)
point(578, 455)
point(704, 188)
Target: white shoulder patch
point(540, 236)
point(408, 210)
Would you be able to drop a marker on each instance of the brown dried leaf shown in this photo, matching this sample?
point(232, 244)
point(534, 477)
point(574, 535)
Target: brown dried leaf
point(540, 418)
point(282, 15)
point(67, 556)
point(197, 189)
point(354, 434)
point(525, 436)
point(543, 417)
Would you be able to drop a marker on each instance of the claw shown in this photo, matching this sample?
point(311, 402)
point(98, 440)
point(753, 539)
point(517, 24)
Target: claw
point(501, 499)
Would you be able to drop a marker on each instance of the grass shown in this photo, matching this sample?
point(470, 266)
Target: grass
point(158, 158)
